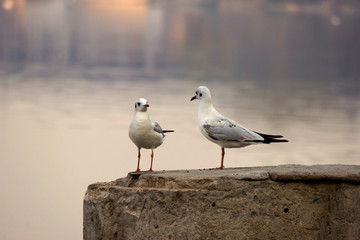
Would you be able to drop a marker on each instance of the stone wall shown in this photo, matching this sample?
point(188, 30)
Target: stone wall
point(284, 202)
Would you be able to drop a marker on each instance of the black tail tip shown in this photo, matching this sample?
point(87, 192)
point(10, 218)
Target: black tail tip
point(278, 140)
point(166, 131)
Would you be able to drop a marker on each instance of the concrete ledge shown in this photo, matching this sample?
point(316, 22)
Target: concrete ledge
point(275, 202)
point(316, 173)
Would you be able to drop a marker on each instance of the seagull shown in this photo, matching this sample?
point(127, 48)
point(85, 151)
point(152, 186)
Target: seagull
point(144, 132)
point(222, 130)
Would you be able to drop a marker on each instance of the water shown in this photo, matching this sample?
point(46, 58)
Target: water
point(70, 72)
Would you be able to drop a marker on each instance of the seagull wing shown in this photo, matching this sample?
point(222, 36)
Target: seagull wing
point(157, 128)
point(221, 128)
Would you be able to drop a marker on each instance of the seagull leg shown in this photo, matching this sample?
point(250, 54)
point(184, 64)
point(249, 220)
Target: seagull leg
point(222, 158)
point(139, 155)
point(152, 156)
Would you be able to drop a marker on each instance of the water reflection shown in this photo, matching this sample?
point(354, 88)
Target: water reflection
point(216, 39)
point(71, 70)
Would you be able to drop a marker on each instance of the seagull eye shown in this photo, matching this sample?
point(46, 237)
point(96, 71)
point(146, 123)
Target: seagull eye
point(200, 94)
point(138, 104)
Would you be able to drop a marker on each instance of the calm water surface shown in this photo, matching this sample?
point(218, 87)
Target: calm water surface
point(70, 72)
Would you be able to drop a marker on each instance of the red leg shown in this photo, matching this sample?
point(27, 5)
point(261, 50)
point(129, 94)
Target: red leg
point(152, 156)
point(222, 158)
point(139, 155)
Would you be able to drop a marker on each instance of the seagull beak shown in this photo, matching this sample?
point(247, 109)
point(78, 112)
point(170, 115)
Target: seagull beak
point(193, 98)
point(146, 105)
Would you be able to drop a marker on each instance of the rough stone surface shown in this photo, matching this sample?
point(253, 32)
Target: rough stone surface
point(284, 202)
point(337, 173)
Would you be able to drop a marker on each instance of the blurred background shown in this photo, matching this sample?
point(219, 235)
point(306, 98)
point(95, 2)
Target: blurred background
point(71, 70)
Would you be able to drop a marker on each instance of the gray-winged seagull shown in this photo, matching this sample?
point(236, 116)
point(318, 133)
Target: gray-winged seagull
point(224, 131)
point(144, 132)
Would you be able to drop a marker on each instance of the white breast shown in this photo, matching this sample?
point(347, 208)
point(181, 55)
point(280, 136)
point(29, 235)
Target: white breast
point(142, 133)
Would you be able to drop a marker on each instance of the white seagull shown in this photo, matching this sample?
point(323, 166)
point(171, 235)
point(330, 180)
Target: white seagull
point(224, 131)
point(144, 132)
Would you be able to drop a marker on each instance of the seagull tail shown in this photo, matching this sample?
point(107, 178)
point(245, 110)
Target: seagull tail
point(166, 131)
point(271, 138)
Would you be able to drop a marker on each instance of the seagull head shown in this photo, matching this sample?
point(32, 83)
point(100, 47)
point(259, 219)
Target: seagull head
point(202, 93)
point(141, 105)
